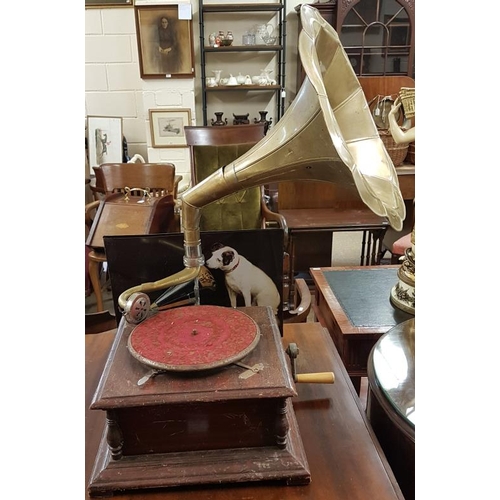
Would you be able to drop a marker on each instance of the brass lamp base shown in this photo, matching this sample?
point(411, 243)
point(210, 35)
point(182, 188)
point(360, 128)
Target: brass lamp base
point(403, 293)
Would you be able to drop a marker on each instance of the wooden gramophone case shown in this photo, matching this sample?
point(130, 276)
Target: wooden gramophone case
point(198, 428)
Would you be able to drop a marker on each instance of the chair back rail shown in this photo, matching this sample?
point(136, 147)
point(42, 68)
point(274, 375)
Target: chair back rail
point(160, 178)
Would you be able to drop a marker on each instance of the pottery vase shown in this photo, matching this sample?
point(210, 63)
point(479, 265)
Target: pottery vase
point(263, 119)
point(219, 121)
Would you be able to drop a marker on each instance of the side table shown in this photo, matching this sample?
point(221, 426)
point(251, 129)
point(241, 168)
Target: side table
point(353, 304)
point(311, 229)
point(391, 401)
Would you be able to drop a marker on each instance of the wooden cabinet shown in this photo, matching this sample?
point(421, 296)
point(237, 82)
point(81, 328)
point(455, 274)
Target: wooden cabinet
point(378, 35)
point(240, 59)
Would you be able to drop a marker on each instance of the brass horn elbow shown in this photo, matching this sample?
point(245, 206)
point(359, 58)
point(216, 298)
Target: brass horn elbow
point(187, 274)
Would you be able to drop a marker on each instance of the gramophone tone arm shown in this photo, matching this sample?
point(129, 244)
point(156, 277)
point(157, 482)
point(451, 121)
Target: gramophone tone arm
point(183, 276)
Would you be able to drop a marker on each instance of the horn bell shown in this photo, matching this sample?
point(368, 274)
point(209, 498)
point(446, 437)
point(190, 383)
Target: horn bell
point(326, 134)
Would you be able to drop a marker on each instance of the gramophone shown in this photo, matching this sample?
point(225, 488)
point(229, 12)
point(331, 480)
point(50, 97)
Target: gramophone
point(202, 394)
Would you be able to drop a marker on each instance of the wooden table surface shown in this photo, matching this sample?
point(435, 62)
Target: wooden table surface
point(332, 219)
point(345, 459)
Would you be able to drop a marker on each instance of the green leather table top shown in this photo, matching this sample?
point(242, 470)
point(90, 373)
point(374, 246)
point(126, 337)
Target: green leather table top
point(364, 296)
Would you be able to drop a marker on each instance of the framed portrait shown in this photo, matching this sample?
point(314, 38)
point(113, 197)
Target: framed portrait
point(167, 127)
point(164, 41)
point(105, 139)
point(108, 3)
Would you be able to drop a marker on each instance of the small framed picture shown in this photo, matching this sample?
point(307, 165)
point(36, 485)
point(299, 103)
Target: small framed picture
point(164, 41)
point(105, 140)
point(167, 127)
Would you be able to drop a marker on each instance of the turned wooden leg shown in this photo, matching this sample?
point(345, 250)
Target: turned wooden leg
point(94, 266)
point(281, 424)
point(378, 236)
point(363, 248)
point(114, 436)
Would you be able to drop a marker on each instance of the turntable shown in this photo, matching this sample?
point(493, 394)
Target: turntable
point(198, 395)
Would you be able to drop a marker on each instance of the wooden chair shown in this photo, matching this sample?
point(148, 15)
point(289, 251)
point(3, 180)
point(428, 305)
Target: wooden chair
point(160, 178)
point(302, 301)
point(315, 210)
point(214, 147)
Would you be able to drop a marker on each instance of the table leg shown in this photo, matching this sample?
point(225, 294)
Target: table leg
point(356, 382)
point(363, 245)
point(378, 236)
point(94, 265)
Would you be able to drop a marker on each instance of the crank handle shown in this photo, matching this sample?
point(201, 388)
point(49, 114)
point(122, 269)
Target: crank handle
point(315, 378)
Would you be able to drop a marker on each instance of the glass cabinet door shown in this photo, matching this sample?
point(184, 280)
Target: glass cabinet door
point(378, 36)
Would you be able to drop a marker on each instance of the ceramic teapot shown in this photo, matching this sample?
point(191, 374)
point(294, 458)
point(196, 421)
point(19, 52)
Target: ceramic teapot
point(240, 79)
point(232, 81)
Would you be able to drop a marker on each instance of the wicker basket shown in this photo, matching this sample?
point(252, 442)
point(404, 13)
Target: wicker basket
point(410, 157)
point(407, 96)
point(397, 152)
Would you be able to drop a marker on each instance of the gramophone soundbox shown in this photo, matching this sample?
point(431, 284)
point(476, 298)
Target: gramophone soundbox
point(231, 421)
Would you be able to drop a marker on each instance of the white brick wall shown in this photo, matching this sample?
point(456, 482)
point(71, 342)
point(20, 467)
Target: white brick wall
point(113, 86)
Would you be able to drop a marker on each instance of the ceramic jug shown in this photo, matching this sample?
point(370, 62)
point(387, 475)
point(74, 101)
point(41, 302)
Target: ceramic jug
point(262, 33)
point(217, 73)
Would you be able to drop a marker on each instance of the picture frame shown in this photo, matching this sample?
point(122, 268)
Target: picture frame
point(162, 256)
point(164, 42)
point(104, 140)
point(99, 4)
point(167, 127)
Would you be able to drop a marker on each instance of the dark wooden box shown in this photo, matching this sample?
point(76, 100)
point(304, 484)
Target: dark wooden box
point(119, 215)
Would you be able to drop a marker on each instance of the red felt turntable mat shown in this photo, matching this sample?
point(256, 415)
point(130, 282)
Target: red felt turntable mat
point(194, 338)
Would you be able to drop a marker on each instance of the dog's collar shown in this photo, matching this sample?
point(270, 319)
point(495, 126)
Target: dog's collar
point(232, 269)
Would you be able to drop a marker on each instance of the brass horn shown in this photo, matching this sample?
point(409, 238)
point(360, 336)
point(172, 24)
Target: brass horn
point(326, 134)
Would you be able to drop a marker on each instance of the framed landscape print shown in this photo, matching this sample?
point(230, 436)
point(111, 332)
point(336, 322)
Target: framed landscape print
point(167, 127)
point(105, 140)
point(108, 3)
point(164, 41)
